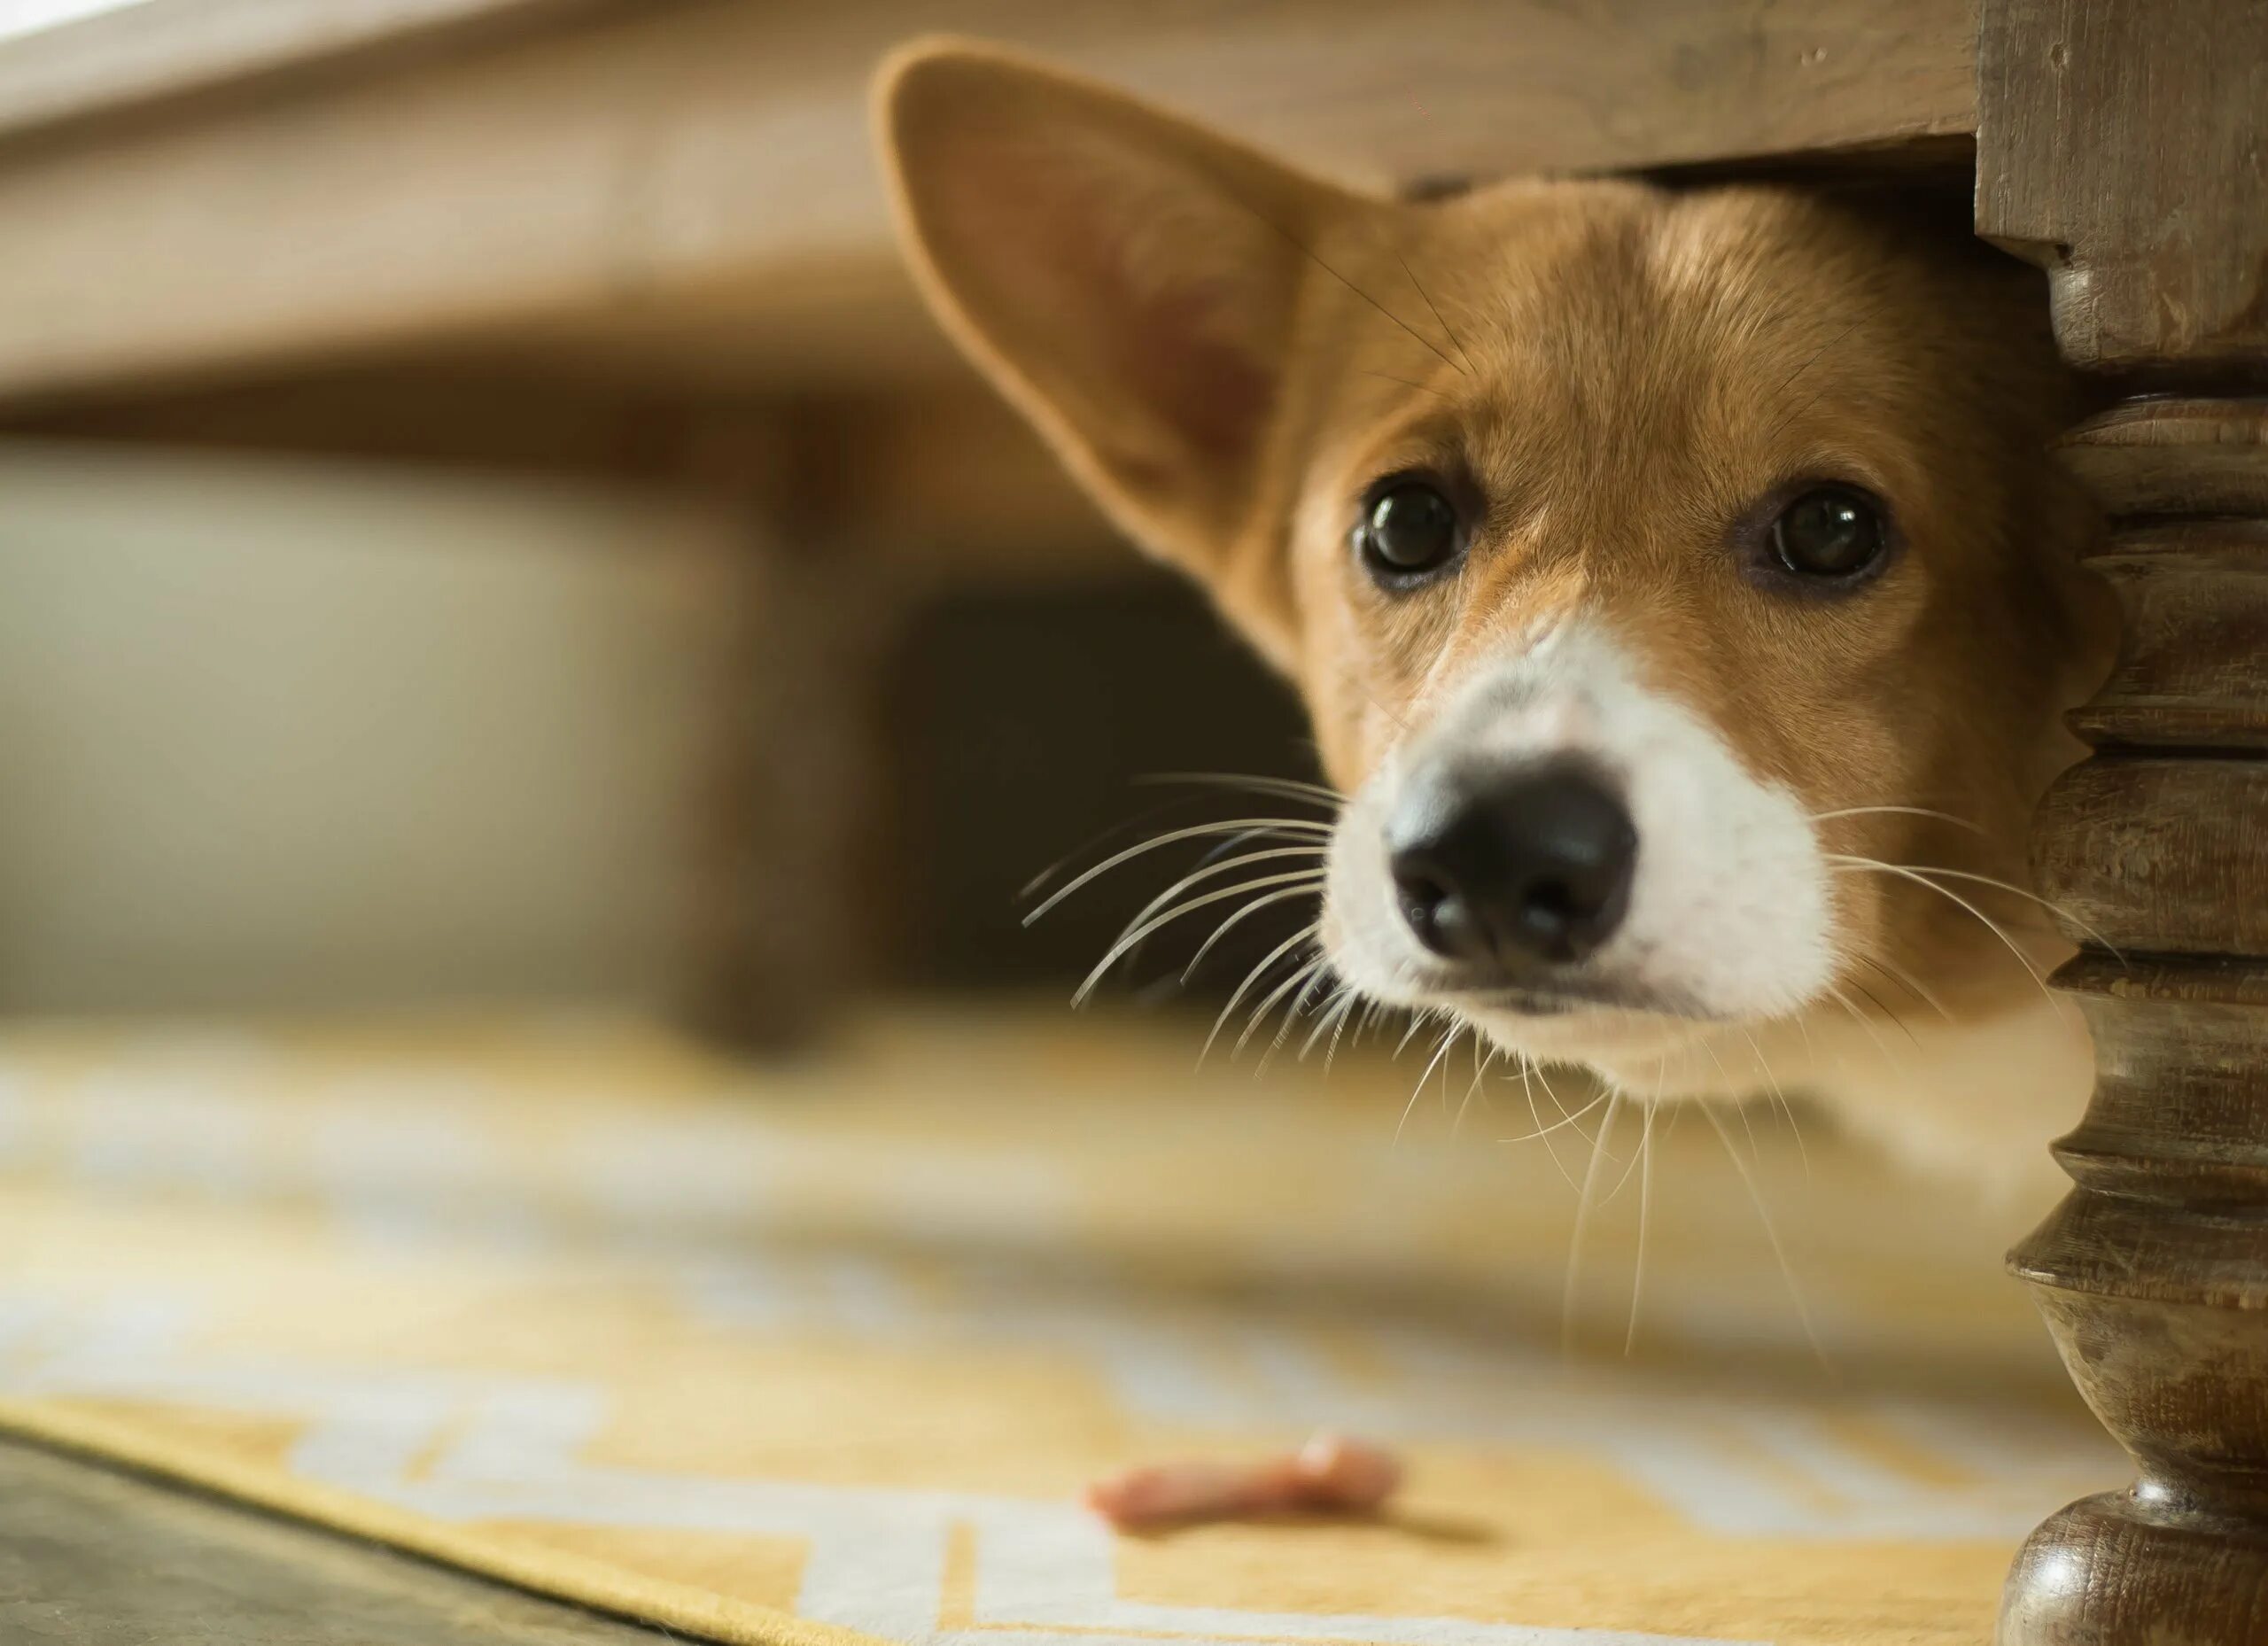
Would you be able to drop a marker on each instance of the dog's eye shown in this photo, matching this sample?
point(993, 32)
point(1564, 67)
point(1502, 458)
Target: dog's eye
point(1830, 532)
point(1407, 530)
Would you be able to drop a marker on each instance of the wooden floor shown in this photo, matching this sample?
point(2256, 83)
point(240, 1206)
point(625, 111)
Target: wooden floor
point(96, 1557)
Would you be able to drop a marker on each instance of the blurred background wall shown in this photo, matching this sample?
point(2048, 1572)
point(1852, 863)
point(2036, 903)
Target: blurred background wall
point(288, 735)
point(280, 735)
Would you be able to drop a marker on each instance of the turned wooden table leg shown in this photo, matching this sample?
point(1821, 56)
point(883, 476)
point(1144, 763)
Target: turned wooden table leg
point(2123, 145)
point(781, 899)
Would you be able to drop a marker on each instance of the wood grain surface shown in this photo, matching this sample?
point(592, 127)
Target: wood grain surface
point(93, 1556)
point(687, 188)
point(2124, 146)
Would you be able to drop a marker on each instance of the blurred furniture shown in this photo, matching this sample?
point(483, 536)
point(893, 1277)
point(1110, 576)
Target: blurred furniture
point(646, 239)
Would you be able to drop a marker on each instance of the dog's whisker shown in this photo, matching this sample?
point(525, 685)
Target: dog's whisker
point(1915, 811)
point(1544, 1130)
point(1214, 852)
point(1779, 396)
point(1862, 1019)
point(1301, 889)
point(2056, 909)
point(1567, 1292)
point(1287, 826)
point(1412, 383)
point(1440, 1061)
point(1408, 1108)
point(1780, 1097)
point(1439, 318)
point(1549, 1091)
point(1529, 1072)
point(1214, 871)
point(1131, 826)
point(1527, 1086)
point(1440, 1050)
point(1904, 872)
point(1317, 999)
point(1731, 1085)
point(1482, 1056)
point(1373, 1014)
point(1464, 1104)
point(1876, 1001)
point(1298, 979)
point(1904, 979)
point(1346, 1016)
point(1291, 827)
point(1417, 1020)
point(1629, 1170)
point(1333, 999)
point(1645, 1206)
point(1302, 881)
point(1136, 931)
point(1308, 252)
point(1319, 980)
point(1282, 788)
point(1252, 977)
point(1330, 1021)
point(1771, 1235)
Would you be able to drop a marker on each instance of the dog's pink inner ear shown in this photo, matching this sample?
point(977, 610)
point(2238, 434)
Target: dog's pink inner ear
point(1218, 394)
point(1135, 297)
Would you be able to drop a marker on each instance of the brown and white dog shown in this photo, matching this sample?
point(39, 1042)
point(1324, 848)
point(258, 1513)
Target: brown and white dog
point(1678, 581)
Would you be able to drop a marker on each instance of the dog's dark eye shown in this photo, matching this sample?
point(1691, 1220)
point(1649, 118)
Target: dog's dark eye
point(1409, 529)
point(1830, 532)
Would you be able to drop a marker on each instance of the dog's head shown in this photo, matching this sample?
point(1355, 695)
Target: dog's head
point(1648, 561)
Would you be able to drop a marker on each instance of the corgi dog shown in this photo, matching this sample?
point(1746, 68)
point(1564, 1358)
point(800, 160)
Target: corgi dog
point(1678, 580)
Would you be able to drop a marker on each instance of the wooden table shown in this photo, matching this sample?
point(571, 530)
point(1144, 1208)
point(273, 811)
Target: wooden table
point(643, 237)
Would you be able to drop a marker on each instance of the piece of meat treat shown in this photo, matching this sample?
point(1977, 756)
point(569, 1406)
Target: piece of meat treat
point(1330, 1474)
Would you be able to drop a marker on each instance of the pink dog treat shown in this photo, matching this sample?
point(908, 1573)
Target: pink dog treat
point(1350, 1475)
point(1330, 1474)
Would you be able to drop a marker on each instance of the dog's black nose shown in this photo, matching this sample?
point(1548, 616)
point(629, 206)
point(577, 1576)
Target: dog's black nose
point(1514, 867)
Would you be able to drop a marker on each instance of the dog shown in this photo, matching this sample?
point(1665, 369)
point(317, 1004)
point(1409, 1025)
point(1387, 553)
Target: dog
point(1678, 580)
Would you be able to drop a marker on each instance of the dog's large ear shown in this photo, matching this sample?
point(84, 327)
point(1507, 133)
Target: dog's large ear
point(1129, 280)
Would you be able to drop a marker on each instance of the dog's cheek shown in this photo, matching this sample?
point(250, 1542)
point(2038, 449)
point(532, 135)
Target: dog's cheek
point(1353, 736)
point(1731, 910)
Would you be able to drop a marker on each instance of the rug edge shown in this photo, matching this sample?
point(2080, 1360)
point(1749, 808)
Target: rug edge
point(592, 1585)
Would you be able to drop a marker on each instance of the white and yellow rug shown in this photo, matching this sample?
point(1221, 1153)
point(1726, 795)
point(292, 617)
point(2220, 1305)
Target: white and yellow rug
point(827, 1353)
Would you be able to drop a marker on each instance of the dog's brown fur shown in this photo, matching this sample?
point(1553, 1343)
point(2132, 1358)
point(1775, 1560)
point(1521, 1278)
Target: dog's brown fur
point(1227, 353)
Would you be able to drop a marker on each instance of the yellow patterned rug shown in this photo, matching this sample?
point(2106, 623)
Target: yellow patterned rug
point(827, 1353)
